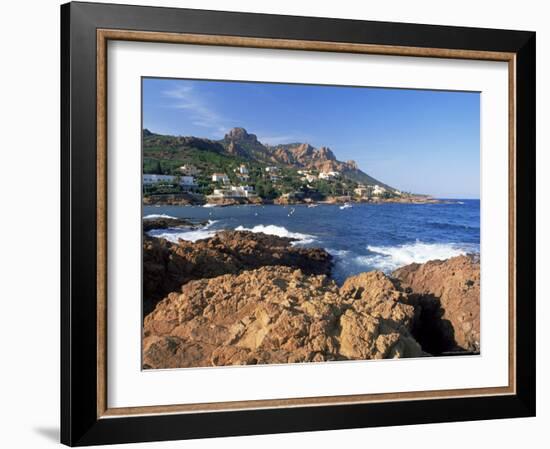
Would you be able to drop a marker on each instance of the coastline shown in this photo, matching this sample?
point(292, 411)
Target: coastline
point(191, 275)
point(185, 199)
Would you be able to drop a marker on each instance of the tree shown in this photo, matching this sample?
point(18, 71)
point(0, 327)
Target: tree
point(158, 168)
point(265, 189)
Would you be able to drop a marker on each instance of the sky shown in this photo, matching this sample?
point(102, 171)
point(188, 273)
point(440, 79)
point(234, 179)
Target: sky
point(417, 141)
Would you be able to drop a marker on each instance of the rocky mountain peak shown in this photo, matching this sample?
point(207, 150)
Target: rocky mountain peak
point(304, 149)
point(240, 134)
point(325, 153)
point(352, 165)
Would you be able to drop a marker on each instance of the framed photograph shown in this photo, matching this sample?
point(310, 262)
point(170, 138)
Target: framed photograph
point(280, 224)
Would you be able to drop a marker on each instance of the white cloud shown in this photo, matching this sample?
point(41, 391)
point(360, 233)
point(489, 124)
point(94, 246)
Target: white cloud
point(185, 97)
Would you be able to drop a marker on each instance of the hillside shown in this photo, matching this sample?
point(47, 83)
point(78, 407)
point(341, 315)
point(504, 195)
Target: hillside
point(163, 154)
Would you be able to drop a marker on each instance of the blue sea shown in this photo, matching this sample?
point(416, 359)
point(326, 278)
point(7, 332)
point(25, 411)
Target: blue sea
point(363, 237)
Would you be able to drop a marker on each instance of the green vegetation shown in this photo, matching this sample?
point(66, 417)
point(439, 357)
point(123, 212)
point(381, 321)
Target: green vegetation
point(166, 154)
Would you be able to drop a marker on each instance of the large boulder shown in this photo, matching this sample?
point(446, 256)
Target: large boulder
point(278, 314)
point(167, 266)
point(448, 293)
point(379, 321)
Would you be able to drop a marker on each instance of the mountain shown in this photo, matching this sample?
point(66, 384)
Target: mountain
point(240, 144)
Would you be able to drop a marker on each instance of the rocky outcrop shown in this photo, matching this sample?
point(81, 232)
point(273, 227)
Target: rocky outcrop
point(278, 314)
point(246, 298)
point(448, 293)
point(167, 266)
point(379, 322)
point(168, 222)
point(235, 201)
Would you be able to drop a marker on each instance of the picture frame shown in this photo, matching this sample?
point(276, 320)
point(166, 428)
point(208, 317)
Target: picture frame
point(86, 29)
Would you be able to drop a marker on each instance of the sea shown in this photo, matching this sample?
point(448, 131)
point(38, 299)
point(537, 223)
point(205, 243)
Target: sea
point(363, 237)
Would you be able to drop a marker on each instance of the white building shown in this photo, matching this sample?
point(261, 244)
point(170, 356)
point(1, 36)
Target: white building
point(157, 179)
point(362, 190)
point(186, 182)
point(220, 177)
point(378, 190)
point(273, 169)
point(328, 174)
point(242, 170)
point(242, 173)
point(246, 191)
point(234, 192)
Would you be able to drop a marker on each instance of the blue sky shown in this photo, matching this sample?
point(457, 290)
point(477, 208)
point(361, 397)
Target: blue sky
point(415, 140)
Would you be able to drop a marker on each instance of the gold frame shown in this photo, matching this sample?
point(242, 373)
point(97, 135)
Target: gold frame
point(104, 35)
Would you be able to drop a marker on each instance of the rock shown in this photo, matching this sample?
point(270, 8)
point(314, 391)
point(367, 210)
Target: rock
point(449, 294)
point(168, 222)
point(278, 314)
point(380, 320)
point(167, 266)
point(240, 134)
point(222, 202)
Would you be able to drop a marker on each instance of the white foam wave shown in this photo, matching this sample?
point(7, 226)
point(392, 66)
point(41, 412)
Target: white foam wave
point(153, 216)
point(280, 231)
point(337, 252)
point(190, 235)
point(388, 258)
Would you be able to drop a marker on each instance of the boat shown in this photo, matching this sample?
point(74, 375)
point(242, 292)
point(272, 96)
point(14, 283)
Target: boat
point(345, 206)
point(312, 205)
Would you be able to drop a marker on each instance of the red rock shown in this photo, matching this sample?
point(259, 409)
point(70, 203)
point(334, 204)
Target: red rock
point(449, 294)
point(278, 314)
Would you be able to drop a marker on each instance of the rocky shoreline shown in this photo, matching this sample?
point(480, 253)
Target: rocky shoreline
point(250, 298)
point(186, 199)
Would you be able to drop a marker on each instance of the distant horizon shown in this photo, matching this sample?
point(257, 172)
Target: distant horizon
point(420, 141)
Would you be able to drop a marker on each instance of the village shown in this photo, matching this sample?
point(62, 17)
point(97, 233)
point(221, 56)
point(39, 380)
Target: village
point(266, 184)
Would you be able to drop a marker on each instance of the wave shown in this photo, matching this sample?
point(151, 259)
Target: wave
point(444, 225)
point(337, 252)
point(153, 216)
point(389, 258)
point(191, 235)
point(280, 231)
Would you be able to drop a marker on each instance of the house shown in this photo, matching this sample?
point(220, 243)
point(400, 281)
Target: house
point(220, 177)
point(157, 179)
point(185, 182)
point(189, 170)
point(246, 191)
point(328, 174)
point(233, 192)
point(378, 190)
point(273, 169)
point(242, 173)
point(362, 191)
point(242, 170)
